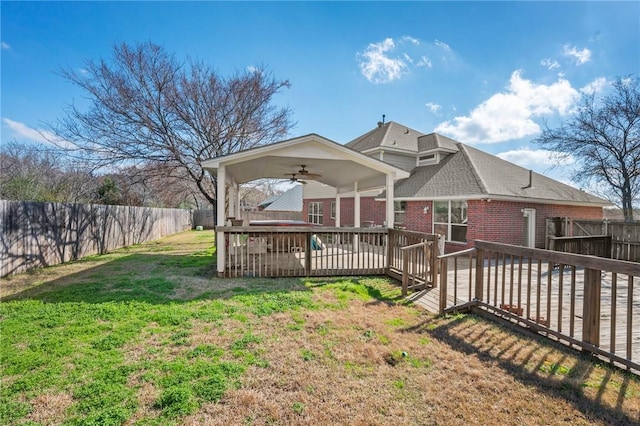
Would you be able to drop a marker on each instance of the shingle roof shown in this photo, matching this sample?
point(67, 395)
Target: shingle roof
point(435, 141)
point(290, 201)
point(390, 134)
point(466, 171)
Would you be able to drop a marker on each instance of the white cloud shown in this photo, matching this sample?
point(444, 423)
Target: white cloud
point(377, 65)
point(433, 107)
point(5, 46)
point(509, 115)
point(549, 63)
point(21, 130)
point(442, 45)
point(411, 40)
point(595, 86)
point(391, 59)
point(538, 158)
point(425, 62)
point(580, 56)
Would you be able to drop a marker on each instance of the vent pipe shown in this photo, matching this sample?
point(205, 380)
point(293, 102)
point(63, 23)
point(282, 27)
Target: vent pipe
point(530, 185)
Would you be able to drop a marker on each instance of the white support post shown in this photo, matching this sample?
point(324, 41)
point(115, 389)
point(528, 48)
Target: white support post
point(237, 204)
point(221, 218)
point(356, 207)
point(389, 202)
point(337, 210)
point(233, 191)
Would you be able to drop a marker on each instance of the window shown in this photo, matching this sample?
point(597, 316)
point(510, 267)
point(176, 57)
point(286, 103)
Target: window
point(399, 208)
point(333, 210)
point(450, 220)
point(315, 212)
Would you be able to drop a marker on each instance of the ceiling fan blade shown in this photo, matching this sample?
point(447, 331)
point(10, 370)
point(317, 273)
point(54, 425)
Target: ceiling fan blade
point(306, 173)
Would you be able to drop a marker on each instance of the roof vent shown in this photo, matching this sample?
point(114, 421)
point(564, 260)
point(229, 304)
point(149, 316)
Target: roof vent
point(530, 185)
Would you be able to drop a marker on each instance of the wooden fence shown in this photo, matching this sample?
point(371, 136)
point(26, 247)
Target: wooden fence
point(598, 245)
point(625, 237)
point(42, 234)
point(585, 301)
point(205, 218)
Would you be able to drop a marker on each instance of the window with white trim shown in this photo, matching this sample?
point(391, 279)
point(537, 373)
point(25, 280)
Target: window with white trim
point(399, 208)
point(315, 212)
point(333, 210)
point(450, 220)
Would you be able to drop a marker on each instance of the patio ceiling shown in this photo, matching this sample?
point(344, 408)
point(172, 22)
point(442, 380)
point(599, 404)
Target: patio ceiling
point(337, 165)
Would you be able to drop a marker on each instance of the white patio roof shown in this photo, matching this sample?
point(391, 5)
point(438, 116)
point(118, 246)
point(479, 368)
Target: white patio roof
point(339, 166)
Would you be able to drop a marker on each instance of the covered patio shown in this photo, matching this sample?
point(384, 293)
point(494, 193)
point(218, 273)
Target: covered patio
point(300, 249)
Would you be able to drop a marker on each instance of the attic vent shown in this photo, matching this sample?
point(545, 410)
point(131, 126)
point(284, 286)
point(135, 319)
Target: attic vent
point(427, 157)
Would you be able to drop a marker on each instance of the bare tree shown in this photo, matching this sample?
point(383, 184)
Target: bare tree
point(146, 107)
point(603, 135)
point(35, 173)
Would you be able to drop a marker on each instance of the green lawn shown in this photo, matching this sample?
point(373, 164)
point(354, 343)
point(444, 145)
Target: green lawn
point(146, 335)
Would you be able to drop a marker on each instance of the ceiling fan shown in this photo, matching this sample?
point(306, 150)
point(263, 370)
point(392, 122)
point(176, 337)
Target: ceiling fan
point(303, 173)
point(294, 178)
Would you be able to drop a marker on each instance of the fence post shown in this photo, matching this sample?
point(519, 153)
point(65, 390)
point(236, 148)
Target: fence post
point(405, 272)
point(307, 254)
point(479, 274)
point(591, 307)
point(443, 285)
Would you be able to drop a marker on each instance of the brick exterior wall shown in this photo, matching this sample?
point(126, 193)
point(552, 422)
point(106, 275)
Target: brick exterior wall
point(498, 221)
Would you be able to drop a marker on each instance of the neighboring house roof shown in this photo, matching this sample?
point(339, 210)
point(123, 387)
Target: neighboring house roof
point(290, 201)
point(465, 172)
point(269, 200)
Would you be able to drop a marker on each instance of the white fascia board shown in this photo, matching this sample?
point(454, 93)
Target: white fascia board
point(259, 151)
point(387, 149)
point(504, 198)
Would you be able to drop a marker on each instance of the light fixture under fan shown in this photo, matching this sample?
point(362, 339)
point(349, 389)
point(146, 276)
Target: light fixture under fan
point(294, 178)
point(303, 173)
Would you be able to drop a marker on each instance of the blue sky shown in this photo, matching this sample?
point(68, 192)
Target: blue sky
point(484, 73)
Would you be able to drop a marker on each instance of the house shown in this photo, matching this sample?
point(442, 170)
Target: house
point(454, 190)
point(290, 201)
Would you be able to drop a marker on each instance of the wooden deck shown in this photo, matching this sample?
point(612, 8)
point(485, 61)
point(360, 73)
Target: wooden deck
point(549, 295)
point(320, 251)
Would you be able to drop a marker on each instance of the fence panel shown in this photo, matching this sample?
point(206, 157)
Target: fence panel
point(38, 234)
point(625, 244)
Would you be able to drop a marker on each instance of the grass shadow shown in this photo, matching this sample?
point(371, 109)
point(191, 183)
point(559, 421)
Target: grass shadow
point(155, 278)
point(542, 364)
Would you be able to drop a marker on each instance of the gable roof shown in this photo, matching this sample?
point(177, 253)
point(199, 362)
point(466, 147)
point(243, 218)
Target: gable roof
point(331, 163)
point(290, 201)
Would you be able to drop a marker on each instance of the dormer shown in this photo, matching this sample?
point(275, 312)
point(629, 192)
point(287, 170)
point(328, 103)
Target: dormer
point(432, 148)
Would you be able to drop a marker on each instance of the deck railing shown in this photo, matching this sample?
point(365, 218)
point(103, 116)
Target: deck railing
point(590, 302)
point(413, 258)
point(266, 251)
